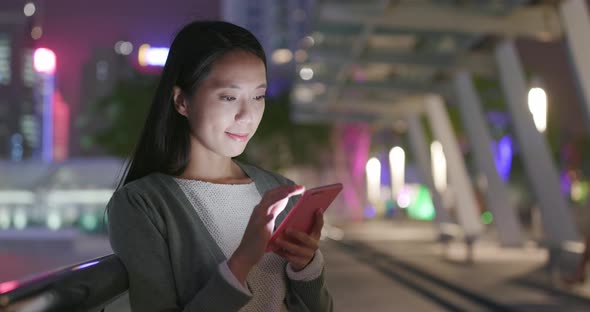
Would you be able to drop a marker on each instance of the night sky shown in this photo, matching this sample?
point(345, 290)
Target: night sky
point(73, 28)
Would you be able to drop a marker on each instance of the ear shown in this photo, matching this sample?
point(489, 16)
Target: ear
point(180, 101)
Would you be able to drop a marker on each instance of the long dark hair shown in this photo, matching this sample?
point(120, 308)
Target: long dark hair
point(164, 144)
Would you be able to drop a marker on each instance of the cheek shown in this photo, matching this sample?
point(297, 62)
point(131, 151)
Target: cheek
point(213, 114)
point(259, 114)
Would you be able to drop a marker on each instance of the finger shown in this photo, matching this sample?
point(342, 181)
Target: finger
point(293, 259)
point(318, 224)
point(297, 250)
point(303, 238)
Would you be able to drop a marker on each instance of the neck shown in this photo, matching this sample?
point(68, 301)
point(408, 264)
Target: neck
point(204, 165)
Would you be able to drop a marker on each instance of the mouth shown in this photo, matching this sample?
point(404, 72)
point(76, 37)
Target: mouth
point(240, 137)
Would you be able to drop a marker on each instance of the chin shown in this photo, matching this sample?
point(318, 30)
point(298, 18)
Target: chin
point(233, 152)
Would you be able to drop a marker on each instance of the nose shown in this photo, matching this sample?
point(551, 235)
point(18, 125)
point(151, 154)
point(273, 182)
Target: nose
point(246, 112)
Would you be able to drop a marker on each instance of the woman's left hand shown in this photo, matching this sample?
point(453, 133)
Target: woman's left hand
point(299, 248)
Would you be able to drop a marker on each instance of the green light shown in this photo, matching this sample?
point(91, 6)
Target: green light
point(579, 191)
point(89, 222)
point(487, 217)
point(422, 207)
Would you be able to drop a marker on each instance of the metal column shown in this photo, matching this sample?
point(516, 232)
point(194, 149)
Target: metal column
point(505, 217)
point(576, 22)
point(466, 206)
point(421, 151)
point(542, 173)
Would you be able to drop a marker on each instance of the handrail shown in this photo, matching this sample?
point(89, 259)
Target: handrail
point(87, 286)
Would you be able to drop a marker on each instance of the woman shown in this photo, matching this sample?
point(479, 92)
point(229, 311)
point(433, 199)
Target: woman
point(189, 223)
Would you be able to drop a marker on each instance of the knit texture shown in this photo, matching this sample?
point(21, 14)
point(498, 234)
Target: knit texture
point(225, 210)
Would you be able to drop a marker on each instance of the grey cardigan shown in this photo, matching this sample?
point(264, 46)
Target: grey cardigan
point(172, 260)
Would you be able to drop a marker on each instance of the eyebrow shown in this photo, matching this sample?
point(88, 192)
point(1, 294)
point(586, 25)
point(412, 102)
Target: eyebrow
point(233, 86)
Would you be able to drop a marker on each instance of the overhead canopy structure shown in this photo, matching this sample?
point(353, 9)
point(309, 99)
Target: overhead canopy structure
point(370, 57)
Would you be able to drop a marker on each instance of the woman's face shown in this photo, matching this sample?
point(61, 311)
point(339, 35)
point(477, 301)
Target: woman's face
point(227, 106)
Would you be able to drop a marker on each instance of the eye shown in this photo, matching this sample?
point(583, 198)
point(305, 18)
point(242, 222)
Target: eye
point(227, 98)
point(260, 97)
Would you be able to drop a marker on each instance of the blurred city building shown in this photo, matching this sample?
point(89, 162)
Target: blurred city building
point(19, 115)
point(73, 193)
point(282, 27)
point(105, 68)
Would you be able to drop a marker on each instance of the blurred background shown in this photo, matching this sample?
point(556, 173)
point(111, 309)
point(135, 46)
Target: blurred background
point(460, 130)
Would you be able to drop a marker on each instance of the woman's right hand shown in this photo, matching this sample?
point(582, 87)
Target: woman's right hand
point(259, 229)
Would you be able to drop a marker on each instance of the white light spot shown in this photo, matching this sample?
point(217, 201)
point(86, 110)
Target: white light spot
point(282, 56)
point(126, 48)
point(306, 73)
point(304, 94)
point(29, 9)
point(4, 218)
point(20, 219)
point(54, 220)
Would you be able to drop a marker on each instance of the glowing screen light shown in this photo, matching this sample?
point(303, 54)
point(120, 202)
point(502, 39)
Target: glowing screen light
point(44, 61)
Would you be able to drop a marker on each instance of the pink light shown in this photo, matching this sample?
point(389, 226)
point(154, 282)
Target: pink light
point(8, 286)
point(404, 198)
point(44, 61)
point(61, 130)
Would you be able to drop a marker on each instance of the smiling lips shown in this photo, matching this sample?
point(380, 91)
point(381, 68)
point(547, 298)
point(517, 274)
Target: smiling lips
point(241, 137)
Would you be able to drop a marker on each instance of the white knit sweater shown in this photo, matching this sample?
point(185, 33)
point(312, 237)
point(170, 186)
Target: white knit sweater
point(225, 210)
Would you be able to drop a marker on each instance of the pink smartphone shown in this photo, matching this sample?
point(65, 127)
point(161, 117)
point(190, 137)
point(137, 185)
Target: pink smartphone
point(302, 215)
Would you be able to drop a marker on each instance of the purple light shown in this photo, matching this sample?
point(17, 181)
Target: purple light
point(404, 198)
point(385, 171)
point(84, 265)
point(503, 152)
point(370, 212)
point(48, 89)
point(357, 140)
point(566, 183)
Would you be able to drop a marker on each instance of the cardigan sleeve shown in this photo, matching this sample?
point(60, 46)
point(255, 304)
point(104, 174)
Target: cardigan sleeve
point(139, 242)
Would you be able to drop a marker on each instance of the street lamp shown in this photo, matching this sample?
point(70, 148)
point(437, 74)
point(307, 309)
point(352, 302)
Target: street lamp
point(373, 169)
point(439, 166)
point(397, 158)
point(537, 99)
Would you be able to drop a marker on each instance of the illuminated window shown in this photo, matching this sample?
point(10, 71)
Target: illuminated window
point(28, 69)
point(4, 61)
point(102, 70)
